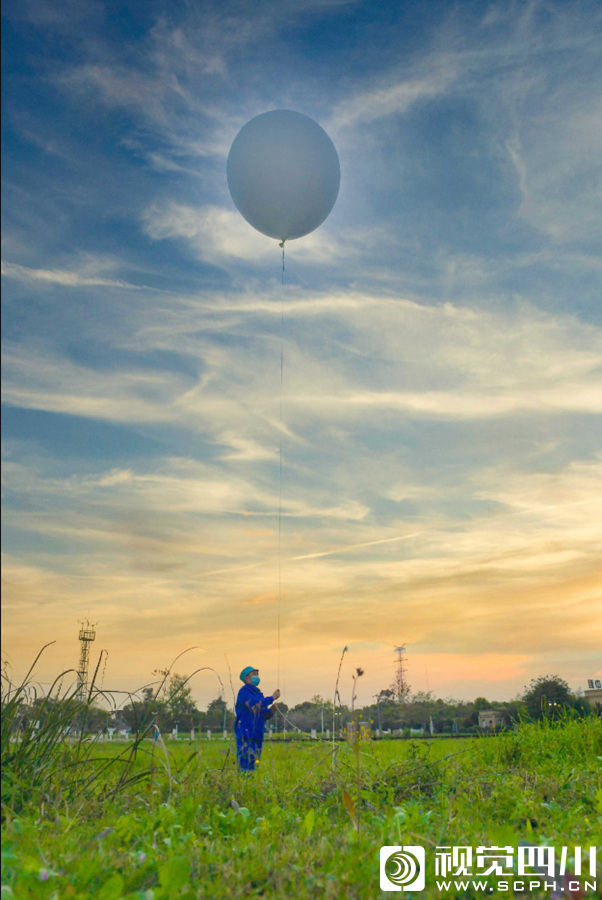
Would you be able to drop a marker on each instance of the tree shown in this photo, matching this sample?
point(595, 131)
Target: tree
point(179, 707)
point(218, 715)
point(481, 703)
point(421, 709)
point(279, 722)
point(547, 697)
point(138, 715)
point(311, 714)
point(384, 695)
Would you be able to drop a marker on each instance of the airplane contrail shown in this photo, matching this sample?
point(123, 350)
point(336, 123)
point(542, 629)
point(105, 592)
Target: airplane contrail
point(401, 537)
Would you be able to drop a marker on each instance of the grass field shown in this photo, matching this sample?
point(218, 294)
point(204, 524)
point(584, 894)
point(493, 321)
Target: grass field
point(178, 820)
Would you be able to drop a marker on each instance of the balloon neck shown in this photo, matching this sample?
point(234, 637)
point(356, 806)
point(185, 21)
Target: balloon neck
point(281, 244)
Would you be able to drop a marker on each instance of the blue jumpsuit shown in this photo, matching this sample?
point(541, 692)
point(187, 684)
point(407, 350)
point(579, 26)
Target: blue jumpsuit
point(250, 725)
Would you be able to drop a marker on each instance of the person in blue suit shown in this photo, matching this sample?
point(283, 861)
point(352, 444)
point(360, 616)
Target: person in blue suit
point(252, 711)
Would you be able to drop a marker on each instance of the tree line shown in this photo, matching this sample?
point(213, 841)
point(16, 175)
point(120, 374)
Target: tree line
point(547, 697)
point(173, 708)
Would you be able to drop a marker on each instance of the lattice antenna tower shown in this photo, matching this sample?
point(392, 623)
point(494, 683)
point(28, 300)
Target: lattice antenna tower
point(401, 688)
point(87, 634)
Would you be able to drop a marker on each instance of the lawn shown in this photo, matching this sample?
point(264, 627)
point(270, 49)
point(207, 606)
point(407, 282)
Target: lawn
point(178, 820)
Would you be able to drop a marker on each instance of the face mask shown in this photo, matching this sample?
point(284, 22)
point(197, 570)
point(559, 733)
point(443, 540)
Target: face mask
point(255, 679)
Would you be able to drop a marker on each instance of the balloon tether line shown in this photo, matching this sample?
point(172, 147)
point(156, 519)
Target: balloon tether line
point(280, 460)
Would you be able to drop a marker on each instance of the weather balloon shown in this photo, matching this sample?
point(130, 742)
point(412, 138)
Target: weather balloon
point(283, 174)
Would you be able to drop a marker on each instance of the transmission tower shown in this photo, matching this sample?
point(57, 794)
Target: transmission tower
point(400, 686)
point(87, 634)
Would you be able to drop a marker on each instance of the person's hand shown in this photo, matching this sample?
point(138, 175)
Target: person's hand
point(276, 694)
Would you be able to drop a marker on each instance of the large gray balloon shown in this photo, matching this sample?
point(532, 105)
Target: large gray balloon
point(283, 174)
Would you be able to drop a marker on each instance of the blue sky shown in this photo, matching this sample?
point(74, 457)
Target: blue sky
point(442, 344)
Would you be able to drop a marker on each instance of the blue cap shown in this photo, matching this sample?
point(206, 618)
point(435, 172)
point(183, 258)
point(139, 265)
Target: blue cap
point(247, 671)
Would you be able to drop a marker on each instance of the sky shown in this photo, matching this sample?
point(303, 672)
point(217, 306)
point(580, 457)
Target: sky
point(442, 344)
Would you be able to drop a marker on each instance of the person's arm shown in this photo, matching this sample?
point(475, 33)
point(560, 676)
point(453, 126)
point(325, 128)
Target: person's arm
point(267, 701)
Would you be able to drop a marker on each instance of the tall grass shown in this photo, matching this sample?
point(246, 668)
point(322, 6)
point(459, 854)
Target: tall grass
point(47, 753)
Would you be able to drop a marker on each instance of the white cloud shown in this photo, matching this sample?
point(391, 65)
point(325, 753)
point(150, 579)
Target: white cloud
point(397, 357)
point(64, 277)
point(389, 99)
point(213, 232)
point(246, 449)
point(37, 381)
point(454, 405)
point(181, 486)
point(556, 154)
point(217, 235)
point(561, 493)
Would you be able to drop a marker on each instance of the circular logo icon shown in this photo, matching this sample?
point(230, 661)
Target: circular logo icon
point(402, 868)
